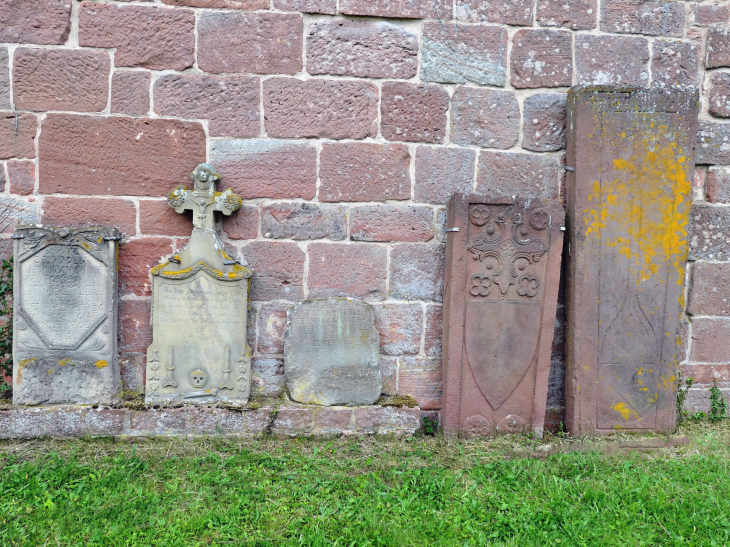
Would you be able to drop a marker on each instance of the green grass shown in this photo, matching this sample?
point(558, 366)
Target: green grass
point(373, 491)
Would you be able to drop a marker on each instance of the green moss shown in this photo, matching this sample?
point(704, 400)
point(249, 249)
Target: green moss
point(398, 401)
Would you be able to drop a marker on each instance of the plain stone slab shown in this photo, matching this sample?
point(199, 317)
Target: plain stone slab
point(65, 316)
point(332, 353)
point(199, 308)
point(502, 278)
point(629, 202)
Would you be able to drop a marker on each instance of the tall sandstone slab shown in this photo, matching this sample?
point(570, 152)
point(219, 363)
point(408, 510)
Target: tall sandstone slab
point(502, 277)
point(65, 315)
point(629, 200)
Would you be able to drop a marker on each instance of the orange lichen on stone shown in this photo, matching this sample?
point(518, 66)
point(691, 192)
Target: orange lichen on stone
point(101, 364)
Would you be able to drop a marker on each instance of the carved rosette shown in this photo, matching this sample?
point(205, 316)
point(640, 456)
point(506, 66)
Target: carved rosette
point(506, 247)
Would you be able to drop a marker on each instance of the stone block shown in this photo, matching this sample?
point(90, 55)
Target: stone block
point(159, 219)
point(391, 223)
point(268, 378)
point(221, 4)
point(213, 421)
point(400, 9)
point(79, 212)
point(267, 169)
point(706, 373)
point(21, 176)
point(717, 184)
point(272, 326)
point(637, 17)
point(457, 53)
point(543, 127)
point(717, 48)
point(258, 43)
point(104, 421)
point(356, 271)
point(413, 112)
point(132, 365)
point(505, 12)
point(364, 172)
point(389, 373)
point(331, 353)
point(442, 171)
point(328, 7)
point(712, 143)
point(164, 421)
point(541, 58)
point(131, 92)
point(143, 36)
point(278, 270)
point(303, 221)
point(333, 421)
point(710, 14)
point(4, 79)
point(719, 99)
point(90, 155)
point(675, 62)
point(627, 221)
point(245, 225)
point(293, 421)
point(43, 22)
point(65, 316)
point(710, 290)
point(422, 379)
point(135, 328)
point(332, 109)
point(136, 258)
point(710, 340)
point(573, 14)
point(483, 117)
point(501, 297)
point(434, 331)
point(363, 49)
point(61, 79)
point(417, 272)
point(231, 103)
point(46, 422)
point(709, 233)
point(17, 135)
point(506, 174)
point(611, 60)
point(399, 326)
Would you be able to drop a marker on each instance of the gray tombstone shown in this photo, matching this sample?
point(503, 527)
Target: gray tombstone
point(65, 316)
point(332, 353)
point(199, 308)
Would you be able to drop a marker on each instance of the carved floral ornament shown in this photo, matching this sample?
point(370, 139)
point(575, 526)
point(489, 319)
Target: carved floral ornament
point(506, 248)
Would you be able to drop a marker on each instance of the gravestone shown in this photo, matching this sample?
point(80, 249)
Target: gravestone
point(65, 316)
point(332, 353)
point(502, 277)
point(629, 200)
point(199, 308)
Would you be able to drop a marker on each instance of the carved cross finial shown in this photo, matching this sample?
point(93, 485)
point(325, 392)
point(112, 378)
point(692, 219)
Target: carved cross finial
point(203, 200)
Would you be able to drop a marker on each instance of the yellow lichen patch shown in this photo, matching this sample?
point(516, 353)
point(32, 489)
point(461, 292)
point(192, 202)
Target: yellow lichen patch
point(101, 364)
point(24, 362)
point(643, 212)
point(624, 410)
point(50, 371)
point(64, 362)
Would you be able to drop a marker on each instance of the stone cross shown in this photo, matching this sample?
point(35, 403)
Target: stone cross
point(203, 200)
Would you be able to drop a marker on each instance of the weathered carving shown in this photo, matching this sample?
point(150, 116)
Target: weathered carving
point(65, 315)
point(199, 306)
point(629, 201)
point(502, 281)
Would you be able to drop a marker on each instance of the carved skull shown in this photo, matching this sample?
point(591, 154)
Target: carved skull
point(198, 378)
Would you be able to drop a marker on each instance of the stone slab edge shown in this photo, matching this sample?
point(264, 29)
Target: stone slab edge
point(287, 421)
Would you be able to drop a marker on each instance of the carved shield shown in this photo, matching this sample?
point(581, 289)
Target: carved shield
point(501, 340)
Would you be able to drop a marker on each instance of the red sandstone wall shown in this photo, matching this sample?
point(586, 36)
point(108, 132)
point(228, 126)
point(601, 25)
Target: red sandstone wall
point(331, 119)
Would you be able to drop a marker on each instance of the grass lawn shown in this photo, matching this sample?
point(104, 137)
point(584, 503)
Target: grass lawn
point(360, 492)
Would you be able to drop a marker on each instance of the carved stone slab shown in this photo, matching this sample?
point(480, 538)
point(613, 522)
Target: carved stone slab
point(65, 316)
point(332, 353)
point(199, 309)
point(629, 200)
point(502, 276)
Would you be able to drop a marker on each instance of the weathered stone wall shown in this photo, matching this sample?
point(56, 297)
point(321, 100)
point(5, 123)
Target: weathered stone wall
point(345, 124)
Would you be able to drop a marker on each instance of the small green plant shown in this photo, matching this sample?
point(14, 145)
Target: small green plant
point(6, 318)
point(430, 426)
point(718, 406)
point(696, 417)
point(682, 390)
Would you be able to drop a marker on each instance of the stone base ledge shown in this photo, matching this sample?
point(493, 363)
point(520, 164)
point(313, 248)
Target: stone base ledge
point(285, 421)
